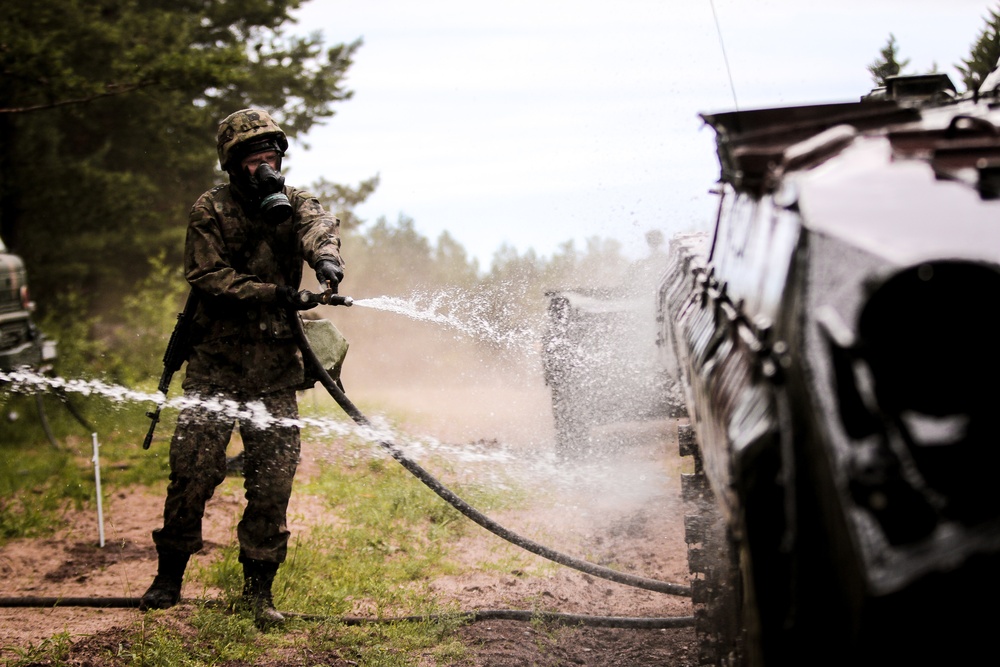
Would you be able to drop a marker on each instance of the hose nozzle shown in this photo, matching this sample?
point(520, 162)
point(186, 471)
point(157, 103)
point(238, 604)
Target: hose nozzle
point(327, 298)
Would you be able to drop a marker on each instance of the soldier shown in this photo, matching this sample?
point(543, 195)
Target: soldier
point(246, 243)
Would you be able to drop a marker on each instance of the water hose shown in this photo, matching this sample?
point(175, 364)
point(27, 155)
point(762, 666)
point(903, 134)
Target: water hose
point(557, 618)
point(44, 418)
point(452, 499)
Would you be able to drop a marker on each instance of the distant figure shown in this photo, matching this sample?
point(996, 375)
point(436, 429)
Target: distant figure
point(644, 275)
point(246, 243)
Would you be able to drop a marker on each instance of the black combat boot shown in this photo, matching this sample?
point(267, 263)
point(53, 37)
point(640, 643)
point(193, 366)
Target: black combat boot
point(258, 575)
point(165, 591)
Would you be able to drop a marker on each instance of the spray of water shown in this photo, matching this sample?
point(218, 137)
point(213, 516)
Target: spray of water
point(477, 315)
point(320, 428)
point(490, 463)
point(28, 381)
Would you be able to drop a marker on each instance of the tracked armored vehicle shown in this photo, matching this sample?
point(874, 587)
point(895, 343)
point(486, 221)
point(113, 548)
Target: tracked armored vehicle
point(833, 337)
point(602, 365)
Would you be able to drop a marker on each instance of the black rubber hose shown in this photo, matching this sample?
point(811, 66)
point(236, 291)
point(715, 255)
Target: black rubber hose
point(44, 419)
point(64, 397)
point(101, 603)
point(467, 510)
point(631, 622)
point(466, 616)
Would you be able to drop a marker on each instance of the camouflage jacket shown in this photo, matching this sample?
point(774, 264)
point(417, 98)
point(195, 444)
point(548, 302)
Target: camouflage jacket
point(235, 262)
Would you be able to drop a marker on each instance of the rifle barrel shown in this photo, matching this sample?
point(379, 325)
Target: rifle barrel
point(155, 417)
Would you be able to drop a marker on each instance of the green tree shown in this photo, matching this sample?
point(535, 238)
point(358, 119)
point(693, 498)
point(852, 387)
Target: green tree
point(984, 55)
point(452, 265)
point(108, 116)
point(343, 198)
point(390, 258)
point(887, 64)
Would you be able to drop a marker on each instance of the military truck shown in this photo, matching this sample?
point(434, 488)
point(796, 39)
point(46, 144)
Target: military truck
point(21, 343)
point(832, 336)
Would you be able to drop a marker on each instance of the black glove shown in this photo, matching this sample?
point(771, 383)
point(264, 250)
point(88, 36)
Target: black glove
point(329, 271)
point(287, 296)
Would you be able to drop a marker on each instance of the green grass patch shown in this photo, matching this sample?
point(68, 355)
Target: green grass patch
point(52, 650)
point(208, 637)
point(39, 482)
point(385, 537)
point(35, 489)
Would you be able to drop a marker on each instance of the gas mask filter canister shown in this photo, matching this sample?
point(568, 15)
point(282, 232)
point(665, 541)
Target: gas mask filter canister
point(274, 204)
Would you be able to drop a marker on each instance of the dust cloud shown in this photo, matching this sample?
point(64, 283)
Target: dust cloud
point(436, 382)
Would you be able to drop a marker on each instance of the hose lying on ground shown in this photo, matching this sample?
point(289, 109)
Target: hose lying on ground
point(467, 510)
point(627, 622)
point(95, 602)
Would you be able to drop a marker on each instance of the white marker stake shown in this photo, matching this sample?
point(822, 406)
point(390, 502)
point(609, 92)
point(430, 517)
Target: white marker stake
point(97, 480)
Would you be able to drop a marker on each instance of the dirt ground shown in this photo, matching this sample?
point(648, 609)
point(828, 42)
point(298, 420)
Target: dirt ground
point(620, 509)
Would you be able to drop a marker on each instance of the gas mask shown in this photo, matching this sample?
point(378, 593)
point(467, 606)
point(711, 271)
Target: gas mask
point(274, 205)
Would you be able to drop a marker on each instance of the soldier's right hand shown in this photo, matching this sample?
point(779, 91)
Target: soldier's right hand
point(288, 297)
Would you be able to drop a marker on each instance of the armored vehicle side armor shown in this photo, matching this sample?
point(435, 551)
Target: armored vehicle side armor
point(833, 338)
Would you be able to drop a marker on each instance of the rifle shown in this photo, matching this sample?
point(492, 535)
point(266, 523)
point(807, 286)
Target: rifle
point(178, 350)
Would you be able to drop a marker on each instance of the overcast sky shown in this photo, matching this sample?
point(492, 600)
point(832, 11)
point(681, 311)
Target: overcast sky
point(532, 123)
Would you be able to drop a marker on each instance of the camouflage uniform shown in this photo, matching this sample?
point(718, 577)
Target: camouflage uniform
point(245, 352)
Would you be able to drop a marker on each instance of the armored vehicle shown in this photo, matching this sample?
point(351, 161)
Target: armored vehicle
point(602, 364)
point(832, 338)
point(601, 359)
point(21, 344)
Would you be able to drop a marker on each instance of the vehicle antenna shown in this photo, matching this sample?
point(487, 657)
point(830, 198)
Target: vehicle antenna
point(722, 44)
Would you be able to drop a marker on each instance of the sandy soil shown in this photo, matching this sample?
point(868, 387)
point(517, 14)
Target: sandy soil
point(620, 509)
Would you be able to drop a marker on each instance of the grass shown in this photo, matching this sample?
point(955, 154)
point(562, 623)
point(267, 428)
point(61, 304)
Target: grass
point(39, 483)
point(53, 650)
point(386, 537)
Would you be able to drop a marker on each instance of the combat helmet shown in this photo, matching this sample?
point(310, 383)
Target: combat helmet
point(248, 131)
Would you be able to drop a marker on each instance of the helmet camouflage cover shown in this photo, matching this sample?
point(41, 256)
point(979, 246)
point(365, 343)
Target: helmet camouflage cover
point(247, 125)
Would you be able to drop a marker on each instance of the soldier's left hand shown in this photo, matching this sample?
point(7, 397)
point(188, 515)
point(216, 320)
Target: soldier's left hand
point(328, 272)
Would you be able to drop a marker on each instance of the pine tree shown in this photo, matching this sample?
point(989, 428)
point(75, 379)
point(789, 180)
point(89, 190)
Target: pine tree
point(886, 64)
point(985, 53)
point(108, 113)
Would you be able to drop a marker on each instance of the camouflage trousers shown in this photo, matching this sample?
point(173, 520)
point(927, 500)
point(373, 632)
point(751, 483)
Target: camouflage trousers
point(198, 466)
